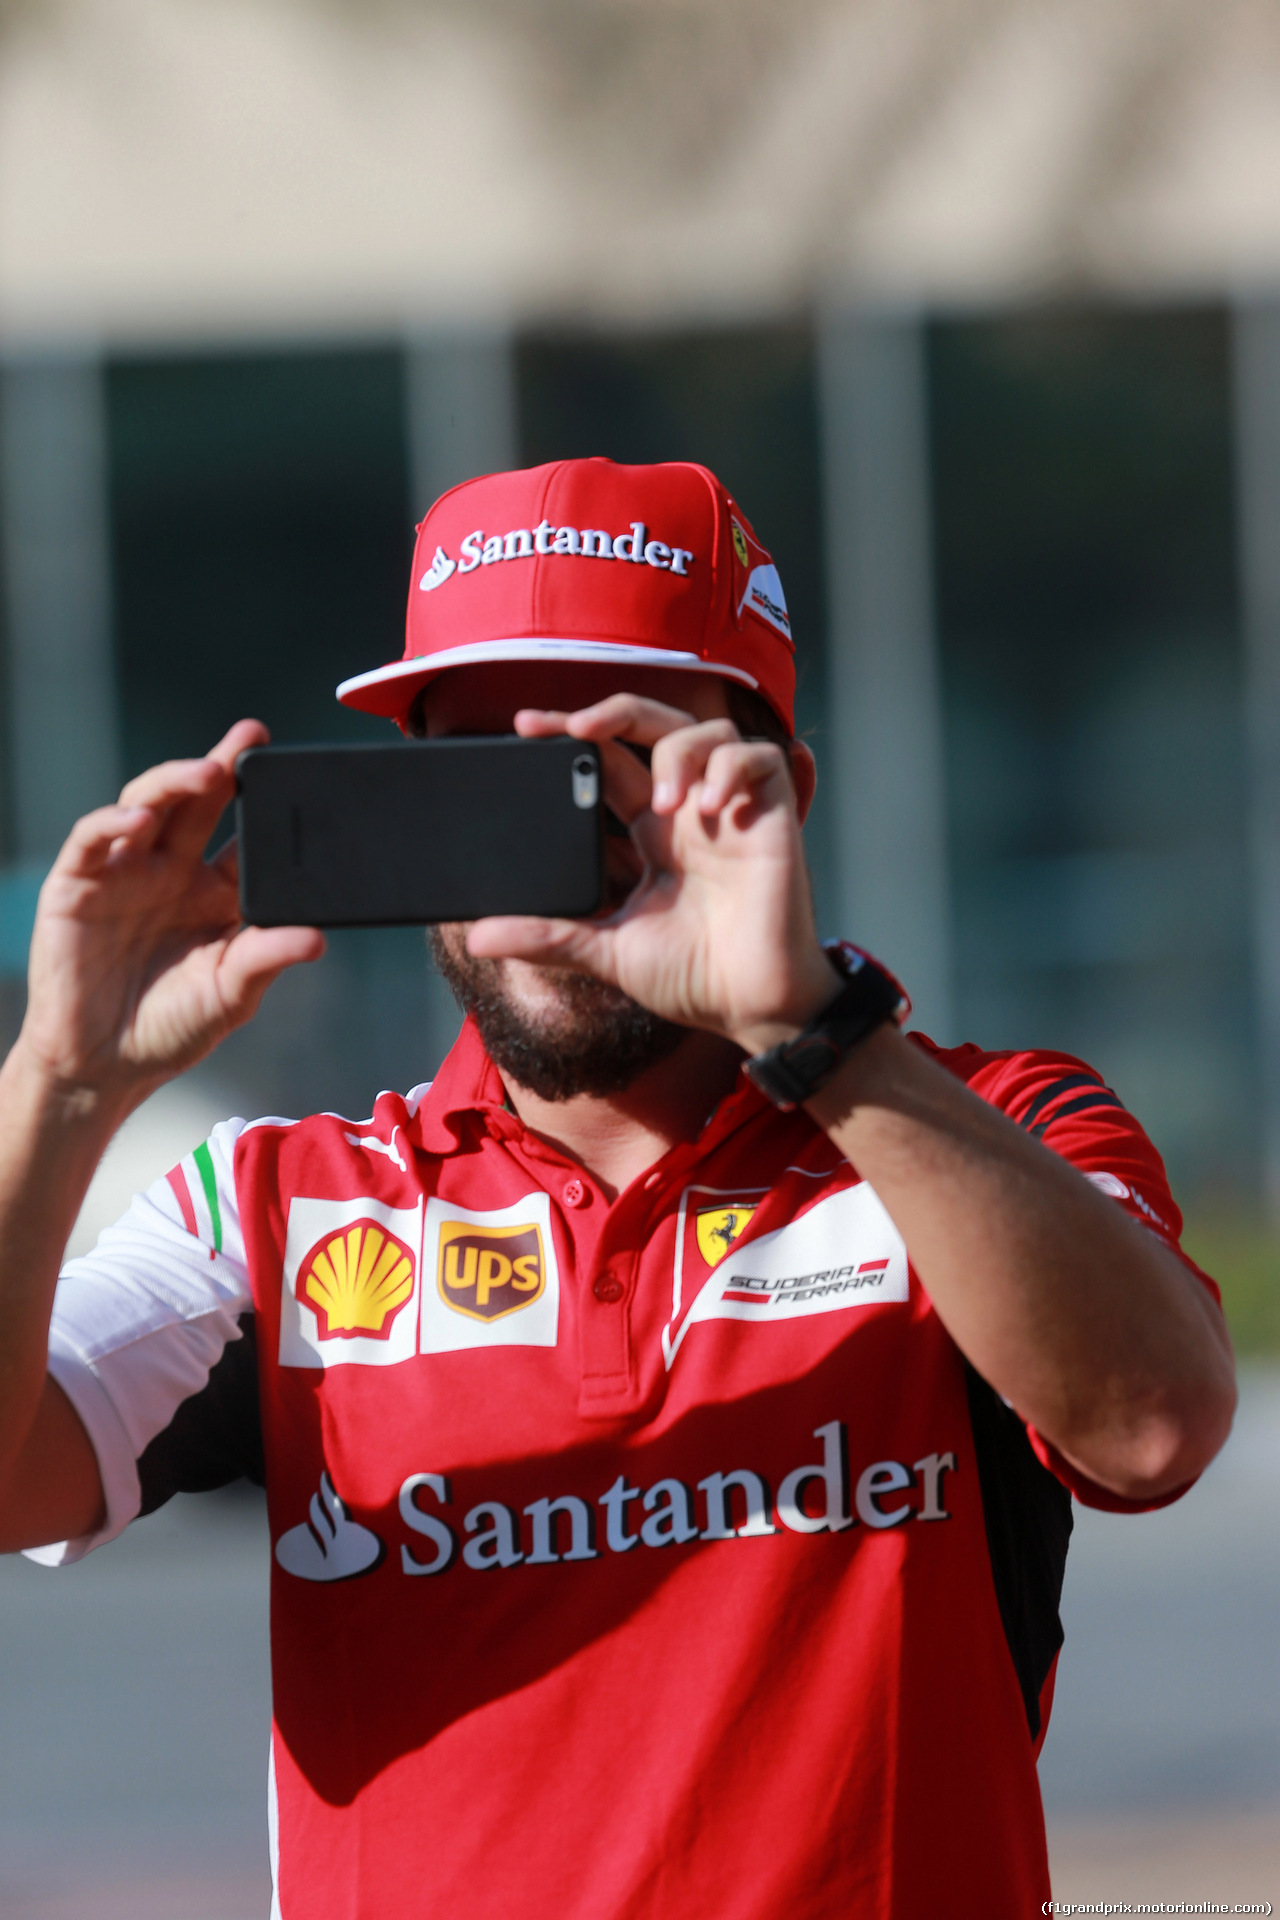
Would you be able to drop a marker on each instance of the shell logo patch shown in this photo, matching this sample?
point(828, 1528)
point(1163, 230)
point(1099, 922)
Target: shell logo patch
point(487, 1272)
point(717, 1229)
point(491, 1277)
point(350, 1282)
point(357, 1281)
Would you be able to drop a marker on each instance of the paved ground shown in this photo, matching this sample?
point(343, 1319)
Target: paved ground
point(125, 1798)
point(1161, 1771)
point(135, 1703)
point(1220, 1857)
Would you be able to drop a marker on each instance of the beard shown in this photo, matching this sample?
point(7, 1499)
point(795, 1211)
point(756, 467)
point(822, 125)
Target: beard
point(585, 1037)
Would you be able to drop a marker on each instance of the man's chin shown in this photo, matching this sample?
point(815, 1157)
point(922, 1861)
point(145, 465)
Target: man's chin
point(560, 1034)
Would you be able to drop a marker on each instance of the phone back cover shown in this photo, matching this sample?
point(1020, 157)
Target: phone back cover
point(406, 835)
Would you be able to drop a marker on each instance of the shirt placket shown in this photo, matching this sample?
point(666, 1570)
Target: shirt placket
point(608, 1244)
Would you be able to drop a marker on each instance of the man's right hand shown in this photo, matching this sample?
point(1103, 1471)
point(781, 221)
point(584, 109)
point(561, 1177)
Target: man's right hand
point(139, 967)
point(139, 963)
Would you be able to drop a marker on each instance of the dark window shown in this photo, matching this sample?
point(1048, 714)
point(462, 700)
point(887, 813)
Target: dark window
point(1092, 667)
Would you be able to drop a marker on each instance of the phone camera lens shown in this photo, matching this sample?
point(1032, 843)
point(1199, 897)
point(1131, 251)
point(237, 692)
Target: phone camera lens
point(586, 781)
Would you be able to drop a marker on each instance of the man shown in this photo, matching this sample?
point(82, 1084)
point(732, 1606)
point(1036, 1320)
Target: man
point(667, 1468)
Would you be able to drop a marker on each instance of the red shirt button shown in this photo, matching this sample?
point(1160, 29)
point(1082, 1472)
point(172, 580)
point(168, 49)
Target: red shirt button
point(608, 1289)
point(575, 1194)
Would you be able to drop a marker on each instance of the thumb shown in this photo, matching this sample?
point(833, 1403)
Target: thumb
point(256, 957)
point(580, 945)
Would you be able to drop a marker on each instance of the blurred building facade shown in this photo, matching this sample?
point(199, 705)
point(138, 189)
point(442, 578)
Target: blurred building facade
point(969, 302)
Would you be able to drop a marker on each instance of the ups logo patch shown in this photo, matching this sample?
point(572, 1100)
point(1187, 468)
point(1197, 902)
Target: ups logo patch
point(489, 1272)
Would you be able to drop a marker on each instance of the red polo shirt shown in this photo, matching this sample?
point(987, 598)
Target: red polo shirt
point(662, 1557)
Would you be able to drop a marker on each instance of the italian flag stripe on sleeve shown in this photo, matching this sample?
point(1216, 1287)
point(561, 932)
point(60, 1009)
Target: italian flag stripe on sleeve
point(202, 1187)
point(195, 1186)
point(183, 1198)
point(204, 1167)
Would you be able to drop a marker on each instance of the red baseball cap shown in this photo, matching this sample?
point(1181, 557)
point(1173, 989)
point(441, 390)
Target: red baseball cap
point(586, 560)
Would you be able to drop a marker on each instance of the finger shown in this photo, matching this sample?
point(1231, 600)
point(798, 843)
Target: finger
point(199, 788)
point(173, 782)
point(199, 897)
point(580, 945)
point(189, 824)
point(190, 827)
point(623, 716)
point(190, 797)
point(540, 723)
point(744, 768)
point(257, 956)
point(107, 830)
point(226, 860)
point(628, 784)
point(680, 759)
point(237, 740)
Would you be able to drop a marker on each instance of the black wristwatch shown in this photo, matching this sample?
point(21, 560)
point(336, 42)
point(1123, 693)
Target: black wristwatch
point(790, 1073)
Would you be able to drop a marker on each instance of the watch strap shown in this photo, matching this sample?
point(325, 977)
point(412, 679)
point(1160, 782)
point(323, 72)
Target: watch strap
point(790, 1073)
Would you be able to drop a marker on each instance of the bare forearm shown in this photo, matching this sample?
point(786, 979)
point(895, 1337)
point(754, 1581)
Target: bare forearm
point(1082, 1319)
point(51, 1139)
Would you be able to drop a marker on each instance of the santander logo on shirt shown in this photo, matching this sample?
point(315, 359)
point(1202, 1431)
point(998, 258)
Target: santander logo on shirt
point(816, 1497)
point(330, 1545)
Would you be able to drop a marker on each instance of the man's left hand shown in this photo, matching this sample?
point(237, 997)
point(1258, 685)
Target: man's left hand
point(718, 932)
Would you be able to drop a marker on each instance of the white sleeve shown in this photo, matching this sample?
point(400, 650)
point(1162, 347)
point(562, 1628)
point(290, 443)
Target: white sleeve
point(139, 1323)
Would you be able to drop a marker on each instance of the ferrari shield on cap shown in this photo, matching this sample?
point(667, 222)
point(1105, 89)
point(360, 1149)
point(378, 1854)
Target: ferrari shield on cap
point(647, 566)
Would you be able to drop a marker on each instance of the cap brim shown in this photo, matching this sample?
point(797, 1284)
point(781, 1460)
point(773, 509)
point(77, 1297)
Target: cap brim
point(390, 690)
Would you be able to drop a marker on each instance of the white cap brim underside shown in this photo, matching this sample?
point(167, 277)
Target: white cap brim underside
point(590, 652)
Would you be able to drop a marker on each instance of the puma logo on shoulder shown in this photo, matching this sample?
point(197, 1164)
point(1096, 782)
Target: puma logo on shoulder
point(374, 1145)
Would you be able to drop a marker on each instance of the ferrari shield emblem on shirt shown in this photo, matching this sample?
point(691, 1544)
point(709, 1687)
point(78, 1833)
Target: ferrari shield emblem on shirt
point(719, 1227)
point(711, 1221)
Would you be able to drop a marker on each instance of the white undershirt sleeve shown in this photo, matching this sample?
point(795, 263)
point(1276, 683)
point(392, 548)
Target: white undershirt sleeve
point(139, 1323)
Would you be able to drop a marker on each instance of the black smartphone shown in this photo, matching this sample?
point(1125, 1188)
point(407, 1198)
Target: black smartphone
point(408, 833)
